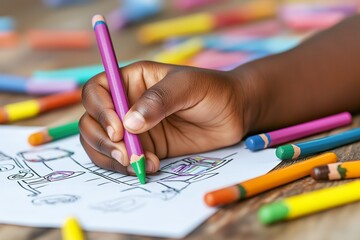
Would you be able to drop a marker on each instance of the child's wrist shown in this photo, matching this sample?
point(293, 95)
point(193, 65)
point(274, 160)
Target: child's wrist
point(248, 83)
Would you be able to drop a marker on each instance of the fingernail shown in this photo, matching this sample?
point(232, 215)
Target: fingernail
point(130, 169)
point(150, 167)
point(134, 121)
point(110, 132)
point(118, 156)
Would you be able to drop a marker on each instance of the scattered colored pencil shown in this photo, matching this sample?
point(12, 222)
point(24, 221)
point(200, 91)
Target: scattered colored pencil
point(337, 171)
point(55, 133)
point(118, 93)
point(46, 39)
point(31, 108)
point(8, 39)
point(186, 5)
point(80, 74)
point(204, 22)
point(71, 230)
point(133, 11)
point(7, 24)
point(20, 84)
point(180, 53)
point(308, 203)
point(288, 134)
point(293, 151)
point(267, 181)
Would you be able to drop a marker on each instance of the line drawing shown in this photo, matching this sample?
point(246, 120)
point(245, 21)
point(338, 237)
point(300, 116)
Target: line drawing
point(41, 170)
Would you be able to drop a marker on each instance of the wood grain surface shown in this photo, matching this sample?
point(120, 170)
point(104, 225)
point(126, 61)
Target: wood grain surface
point(237, 221)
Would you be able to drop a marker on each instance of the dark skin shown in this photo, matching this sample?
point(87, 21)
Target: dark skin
point(179, 110)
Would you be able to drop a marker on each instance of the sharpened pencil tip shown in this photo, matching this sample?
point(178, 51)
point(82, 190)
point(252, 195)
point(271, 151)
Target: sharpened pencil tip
point(139, 167)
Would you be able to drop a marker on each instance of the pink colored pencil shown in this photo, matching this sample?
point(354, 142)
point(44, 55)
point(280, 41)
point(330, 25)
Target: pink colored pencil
point(191, 4)
point(288, 134)
point(118, 93)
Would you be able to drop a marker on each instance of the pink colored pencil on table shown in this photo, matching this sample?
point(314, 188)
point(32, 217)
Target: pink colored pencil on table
point(288, 134)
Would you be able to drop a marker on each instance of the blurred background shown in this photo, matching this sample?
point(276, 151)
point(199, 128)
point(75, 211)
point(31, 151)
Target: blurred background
point(41, 39)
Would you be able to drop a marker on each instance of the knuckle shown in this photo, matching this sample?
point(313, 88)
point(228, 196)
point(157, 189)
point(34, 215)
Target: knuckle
point(87, 91)
point(100, 144)
point(141, 64)
point(156, 98)
point(101, 116)
point(82, 122)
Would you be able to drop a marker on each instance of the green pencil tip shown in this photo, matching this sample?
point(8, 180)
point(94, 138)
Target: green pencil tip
point(285, 152)
point(139, 169)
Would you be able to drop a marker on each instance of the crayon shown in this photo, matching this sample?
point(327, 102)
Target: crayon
point(204, 22)
point(267, 181)
point(180, 53)
point(186, 5)
point(305, 204)
point(59, 39)
point(20, 84)
point(7, 24)
point(31, 108)
point(133, 11)
point(337, 171)
point(54, 133)
point(288, 134)
point(80, 74)
point(293, 151)
point(71, 230)
point(118, 93)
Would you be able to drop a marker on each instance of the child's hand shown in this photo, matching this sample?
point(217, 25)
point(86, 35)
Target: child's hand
point(175, 110)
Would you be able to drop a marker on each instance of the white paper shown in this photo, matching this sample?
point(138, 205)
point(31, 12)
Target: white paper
point(42, 186)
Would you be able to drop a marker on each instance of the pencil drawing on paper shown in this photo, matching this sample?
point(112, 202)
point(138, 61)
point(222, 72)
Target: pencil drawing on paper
point(40, 171)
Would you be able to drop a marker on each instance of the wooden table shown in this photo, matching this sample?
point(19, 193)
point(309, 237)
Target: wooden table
point(237, 221)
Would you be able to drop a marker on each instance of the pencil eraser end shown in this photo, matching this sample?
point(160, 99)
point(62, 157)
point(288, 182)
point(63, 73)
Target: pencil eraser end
point(96, 18)
point(255, 143)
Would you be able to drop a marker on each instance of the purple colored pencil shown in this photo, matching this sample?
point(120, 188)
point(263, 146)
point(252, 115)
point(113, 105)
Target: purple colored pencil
point(118, 93)
point(288, 134)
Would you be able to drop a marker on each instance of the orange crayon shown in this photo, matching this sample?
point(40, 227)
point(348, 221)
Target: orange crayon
point(31, 108)
point(51, 39)
point(267, 181)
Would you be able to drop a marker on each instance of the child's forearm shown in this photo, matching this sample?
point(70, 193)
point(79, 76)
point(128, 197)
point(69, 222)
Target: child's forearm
point(318, 78)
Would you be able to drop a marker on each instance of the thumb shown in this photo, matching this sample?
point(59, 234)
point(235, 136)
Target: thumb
point(171, 94)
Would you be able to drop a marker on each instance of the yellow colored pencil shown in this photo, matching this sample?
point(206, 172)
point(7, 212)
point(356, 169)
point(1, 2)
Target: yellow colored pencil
point(181, 53)
point(71, 230)
point(304, 204)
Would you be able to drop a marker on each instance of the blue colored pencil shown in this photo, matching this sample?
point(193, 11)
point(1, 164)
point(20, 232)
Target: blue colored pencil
point(292, 151)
